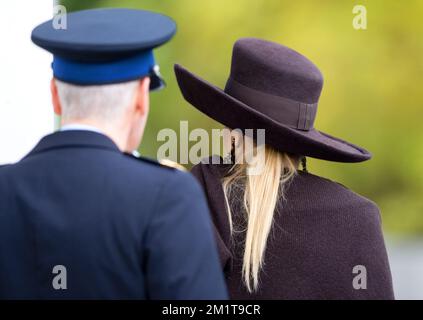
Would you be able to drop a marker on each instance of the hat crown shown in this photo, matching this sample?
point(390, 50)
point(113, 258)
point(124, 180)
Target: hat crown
point(276, 70)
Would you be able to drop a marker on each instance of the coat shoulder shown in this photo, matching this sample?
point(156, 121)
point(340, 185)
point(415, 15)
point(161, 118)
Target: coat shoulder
point(147, 167)
point(329, 188)
point(148, 162)
point(332, 196)
point(165, 170)
point(4, 169)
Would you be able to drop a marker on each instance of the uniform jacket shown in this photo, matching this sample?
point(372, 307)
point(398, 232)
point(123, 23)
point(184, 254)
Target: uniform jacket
point(320, 234)
point(123, 228)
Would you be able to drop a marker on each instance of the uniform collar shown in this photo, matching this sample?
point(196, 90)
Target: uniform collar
point(77, 126)
point(74, 139)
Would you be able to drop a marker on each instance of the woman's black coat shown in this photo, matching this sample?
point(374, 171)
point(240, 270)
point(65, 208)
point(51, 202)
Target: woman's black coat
point(326, 242)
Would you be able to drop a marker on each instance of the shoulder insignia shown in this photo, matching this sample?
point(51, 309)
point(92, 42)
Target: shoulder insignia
point(172, 164)
point(168, 164)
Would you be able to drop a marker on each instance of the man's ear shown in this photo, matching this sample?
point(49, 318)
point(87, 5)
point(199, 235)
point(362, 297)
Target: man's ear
point(143, 96)
point(55, 98)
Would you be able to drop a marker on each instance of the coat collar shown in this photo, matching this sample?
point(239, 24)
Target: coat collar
point(75, 139)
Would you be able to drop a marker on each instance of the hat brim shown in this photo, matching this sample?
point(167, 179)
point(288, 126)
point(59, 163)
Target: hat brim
point(220, 106)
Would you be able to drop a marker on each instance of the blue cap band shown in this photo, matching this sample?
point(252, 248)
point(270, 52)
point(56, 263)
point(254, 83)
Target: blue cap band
point(87, 73)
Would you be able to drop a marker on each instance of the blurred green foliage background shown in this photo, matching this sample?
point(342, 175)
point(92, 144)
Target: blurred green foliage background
point(373, 82)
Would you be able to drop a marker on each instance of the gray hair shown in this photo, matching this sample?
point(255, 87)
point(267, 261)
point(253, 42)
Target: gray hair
point(100, 102)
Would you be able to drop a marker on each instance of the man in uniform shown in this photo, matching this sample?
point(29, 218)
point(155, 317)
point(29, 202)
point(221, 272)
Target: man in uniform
point(80, 217)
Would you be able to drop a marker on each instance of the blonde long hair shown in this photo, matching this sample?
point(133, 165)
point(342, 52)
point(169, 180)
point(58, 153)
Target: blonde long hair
point(261, 196)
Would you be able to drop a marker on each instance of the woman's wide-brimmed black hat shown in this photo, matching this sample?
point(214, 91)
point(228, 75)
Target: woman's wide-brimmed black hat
point(275, 88)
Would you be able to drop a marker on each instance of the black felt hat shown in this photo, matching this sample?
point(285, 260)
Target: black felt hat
point(275, 88)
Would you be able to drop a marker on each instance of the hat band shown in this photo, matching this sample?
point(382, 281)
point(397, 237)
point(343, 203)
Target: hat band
point(88, 73)
point(288, 112)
